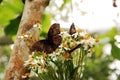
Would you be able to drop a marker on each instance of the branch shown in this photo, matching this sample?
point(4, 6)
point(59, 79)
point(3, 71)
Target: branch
point(33, 11)
point(6, 40)
point(70, 51)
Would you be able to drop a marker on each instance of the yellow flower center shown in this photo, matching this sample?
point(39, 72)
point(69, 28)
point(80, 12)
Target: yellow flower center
point(87, 36)
point(79, 30)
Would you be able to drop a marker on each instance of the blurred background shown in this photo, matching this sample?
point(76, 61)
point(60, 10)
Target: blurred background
point(100, 17)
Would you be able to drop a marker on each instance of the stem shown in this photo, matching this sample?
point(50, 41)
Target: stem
point(70, 51)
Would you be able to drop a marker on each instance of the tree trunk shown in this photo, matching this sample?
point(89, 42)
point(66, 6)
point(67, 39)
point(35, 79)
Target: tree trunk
point(32, 14)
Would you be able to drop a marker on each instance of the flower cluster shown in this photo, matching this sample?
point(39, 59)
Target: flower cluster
point(28, 34)
point(82, 38)
point(66, 62)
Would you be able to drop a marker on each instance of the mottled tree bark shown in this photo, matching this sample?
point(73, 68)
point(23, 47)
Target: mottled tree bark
point(32, 13)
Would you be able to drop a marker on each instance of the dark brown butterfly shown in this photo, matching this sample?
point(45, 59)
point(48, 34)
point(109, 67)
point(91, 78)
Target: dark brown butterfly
point(49, 44)
point(114, 3)
point(72, 29)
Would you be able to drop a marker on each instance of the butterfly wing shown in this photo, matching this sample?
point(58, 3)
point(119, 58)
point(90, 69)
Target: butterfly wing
point(72, 29)
point(54, 30)
point(51, 43)
point(53, 35)
point(38, 46)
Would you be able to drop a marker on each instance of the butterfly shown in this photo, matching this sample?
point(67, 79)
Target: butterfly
point(72, 29)
point(52, 41)
point(114, 3)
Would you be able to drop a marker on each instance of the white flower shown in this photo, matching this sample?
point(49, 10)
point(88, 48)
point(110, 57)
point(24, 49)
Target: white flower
point(42, 61)
point(117, 37)
point(24, 76)
point(92, 41)
point(21, 37)
point(75, 35)
point(38, 63)
point(83, 33)
point(65, 34)
point(37, 25)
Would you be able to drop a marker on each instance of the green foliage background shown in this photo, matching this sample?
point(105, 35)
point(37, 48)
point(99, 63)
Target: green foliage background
point(97, 67)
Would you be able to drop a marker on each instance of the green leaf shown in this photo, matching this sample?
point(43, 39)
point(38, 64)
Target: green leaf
point(64, 3)
point(15, 5)
point(0, 1)
point(67, 1)
point(46, 22)
point(111, 34)
point(12, 28)
point(9, 10)
point(102, 36)
point(4, 16)
point(33, 74)
point(115, 52)
point(98, 50)
point(1, 29)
